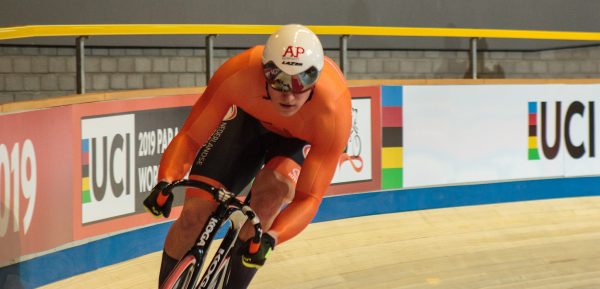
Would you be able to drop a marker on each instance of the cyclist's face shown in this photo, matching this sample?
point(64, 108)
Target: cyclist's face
point(288, 103)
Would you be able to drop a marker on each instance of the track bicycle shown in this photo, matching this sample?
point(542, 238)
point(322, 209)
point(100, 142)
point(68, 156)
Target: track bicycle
point(230, 211)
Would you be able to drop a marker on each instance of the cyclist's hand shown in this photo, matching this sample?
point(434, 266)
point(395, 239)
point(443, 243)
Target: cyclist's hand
point(258, 258)
point(157, 203)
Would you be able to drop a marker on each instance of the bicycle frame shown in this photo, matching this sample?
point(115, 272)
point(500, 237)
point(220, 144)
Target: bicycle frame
point(228, 209)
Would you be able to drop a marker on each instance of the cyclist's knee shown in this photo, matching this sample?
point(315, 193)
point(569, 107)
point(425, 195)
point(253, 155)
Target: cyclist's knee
point(194, 214)
point(273, 185)
point(270, 192)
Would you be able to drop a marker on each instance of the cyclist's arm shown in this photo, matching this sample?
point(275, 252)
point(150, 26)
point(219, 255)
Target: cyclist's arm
point(204, 118)
point(332, 127)
point(316, 174)
point(228, 81)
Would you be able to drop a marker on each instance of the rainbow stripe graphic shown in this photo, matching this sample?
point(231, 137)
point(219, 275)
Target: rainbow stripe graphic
point(85, 171)
point(533, 139)
point(391, 153)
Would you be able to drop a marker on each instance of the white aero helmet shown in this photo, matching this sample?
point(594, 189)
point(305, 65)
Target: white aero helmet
point(292, 59)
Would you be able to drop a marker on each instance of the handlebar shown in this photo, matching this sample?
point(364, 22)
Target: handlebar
point(220, 194)
point(225, 197)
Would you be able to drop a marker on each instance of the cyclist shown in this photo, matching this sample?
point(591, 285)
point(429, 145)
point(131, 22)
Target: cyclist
point(279, 114)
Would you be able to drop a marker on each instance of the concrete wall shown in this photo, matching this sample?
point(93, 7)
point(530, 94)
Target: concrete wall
point(40, 72)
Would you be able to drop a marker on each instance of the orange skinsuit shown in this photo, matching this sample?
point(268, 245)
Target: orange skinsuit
point(324, 122)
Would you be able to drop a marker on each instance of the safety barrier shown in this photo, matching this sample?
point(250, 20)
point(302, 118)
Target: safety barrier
point(211, 30)
point(413, 146)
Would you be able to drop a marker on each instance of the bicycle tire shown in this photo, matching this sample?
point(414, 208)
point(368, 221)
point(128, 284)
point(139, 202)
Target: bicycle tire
point(182, 274)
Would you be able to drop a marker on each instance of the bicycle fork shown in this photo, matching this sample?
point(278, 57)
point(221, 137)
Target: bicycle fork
point(221, 257)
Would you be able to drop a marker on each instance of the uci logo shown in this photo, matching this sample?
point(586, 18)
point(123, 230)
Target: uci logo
point(576, 126)
point(108, 167)
point(108, 157)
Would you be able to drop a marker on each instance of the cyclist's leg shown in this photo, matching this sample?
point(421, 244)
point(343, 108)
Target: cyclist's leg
point(272, 189)
point(230, 159)
point(275, 184)
point(196, 208)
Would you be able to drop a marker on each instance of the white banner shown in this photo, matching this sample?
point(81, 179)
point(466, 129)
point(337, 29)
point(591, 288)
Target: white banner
point(479, 133)
point(356, 164)
point(108, 183)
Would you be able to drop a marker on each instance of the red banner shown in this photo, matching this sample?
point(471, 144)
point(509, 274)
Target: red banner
point(36, 164)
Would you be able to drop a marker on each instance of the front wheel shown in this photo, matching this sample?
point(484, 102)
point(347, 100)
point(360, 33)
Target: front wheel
point(183, 275)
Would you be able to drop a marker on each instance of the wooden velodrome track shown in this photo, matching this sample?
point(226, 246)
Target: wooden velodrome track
point(537, 244)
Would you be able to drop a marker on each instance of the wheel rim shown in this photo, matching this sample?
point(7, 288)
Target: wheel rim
point(182, 274)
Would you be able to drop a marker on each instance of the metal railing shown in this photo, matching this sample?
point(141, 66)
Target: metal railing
point(211, 30)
